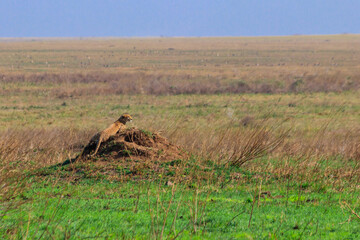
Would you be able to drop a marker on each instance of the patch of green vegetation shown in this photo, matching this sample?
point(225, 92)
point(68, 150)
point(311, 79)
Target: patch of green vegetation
point(103, 209)
point(147, 133)
point(126, 152)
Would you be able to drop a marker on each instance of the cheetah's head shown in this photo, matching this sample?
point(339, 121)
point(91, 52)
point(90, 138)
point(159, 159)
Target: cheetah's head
point(125, 118)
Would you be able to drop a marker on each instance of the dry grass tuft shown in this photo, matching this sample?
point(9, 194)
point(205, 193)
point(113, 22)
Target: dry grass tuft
point(256, 143)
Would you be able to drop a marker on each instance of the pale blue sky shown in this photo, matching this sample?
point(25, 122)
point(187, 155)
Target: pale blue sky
point(134, 18)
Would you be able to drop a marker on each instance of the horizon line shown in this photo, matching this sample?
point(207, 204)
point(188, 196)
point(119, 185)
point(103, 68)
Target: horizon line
point(220, 36)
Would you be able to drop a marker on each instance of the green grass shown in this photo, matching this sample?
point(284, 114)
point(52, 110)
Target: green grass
point(112, 210)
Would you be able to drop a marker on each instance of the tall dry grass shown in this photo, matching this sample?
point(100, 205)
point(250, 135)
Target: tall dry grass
point(327, 154)
point(28, 149)
point(23, 150)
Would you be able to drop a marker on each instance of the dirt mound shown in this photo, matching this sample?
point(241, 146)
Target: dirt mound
point(135, 144)
point(130, 154)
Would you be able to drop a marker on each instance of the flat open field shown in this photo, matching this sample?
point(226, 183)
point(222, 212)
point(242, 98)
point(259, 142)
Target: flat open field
point(269, 128)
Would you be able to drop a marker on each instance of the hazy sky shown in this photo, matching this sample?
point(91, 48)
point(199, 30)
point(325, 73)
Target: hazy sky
point(89, 18)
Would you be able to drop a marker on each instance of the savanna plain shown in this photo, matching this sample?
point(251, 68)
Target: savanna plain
point(267, 129)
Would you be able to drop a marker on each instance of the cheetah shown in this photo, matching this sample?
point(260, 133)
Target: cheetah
point(104, 135)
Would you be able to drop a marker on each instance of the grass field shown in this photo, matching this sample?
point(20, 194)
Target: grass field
point(271, 126)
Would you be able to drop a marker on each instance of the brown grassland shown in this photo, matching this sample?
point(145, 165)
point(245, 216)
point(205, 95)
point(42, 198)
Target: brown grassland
point(183, 65)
